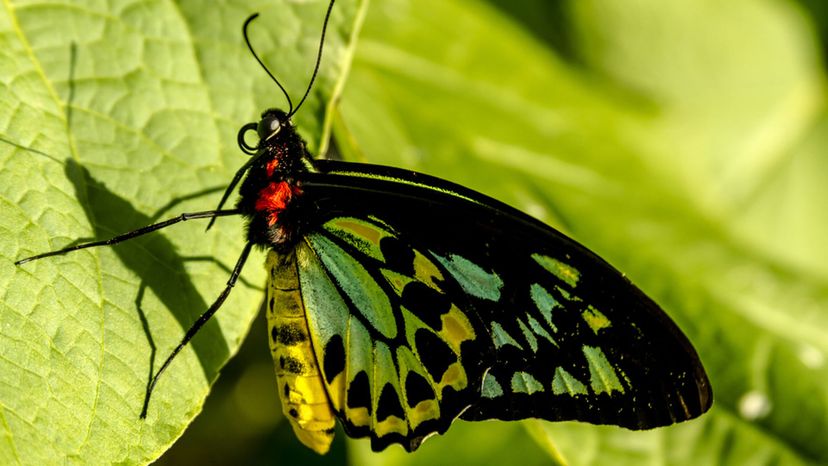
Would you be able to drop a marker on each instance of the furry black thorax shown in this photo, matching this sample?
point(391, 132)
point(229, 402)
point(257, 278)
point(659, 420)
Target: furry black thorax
point(277, 159)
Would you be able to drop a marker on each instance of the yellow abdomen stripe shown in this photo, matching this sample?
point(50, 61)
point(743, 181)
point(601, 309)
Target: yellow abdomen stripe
point(301, 389)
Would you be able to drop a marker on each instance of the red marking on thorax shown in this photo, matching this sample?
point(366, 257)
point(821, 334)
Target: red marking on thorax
point(271, 166)
point(273, 199)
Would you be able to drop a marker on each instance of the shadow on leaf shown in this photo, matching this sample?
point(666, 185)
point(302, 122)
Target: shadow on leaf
point(154, 259)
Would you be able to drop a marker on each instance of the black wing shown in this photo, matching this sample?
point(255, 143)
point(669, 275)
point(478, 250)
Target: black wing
point(559, 333)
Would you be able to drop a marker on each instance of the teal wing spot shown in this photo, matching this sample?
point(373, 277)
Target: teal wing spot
point(539, 330)
point(501, 338)
point(545, 303)
point(472, 278)
point(602, 376)
point(491, 388)
point(595, 319)
point(524, 382)
point(566, 295)
point(323, 302)
point(530, 337)
point(565, 272)
point(565, 384)
point(360, 349)
point(366, 295)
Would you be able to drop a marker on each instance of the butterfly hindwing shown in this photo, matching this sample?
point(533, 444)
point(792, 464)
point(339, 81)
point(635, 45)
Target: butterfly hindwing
point(399, 355)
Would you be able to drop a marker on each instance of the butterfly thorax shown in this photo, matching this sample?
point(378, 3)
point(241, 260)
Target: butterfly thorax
point(270, 197)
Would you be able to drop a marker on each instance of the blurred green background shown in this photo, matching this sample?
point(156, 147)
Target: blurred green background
point(684, 141)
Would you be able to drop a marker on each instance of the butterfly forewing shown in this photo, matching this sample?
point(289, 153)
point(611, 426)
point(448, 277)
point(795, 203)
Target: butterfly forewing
point(576, 342)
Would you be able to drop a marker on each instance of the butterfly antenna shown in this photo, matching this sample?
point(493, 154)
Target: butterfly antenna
point(318, 59)
point(250, 47)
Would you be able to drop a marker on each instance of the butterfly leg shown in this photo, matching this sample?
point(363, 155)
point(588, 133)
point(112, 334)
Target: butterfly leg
point(236, 178)
point(134, 233)
point(193, 330)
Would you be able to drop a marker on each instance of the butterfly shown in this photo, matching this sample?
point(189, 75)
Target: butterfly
point(398, 302)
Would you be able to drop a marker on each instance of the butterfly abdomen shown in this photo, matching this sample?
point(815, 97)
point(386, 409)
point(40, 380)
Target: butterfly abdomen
point(301, 389)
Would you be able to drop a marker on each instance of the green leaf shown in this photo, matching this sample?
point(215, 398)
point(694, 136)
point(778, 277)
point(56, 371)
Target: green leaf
point(113, 116)
point(684, 142)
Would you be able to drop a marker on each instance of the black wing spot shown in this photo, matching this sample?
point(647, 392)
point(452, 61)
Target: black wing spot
point(399, 257)
point(334, 359)
point(417, 389)
point(389, 404)
point(287, 392)
point(272, 304)
point(434, 353)
point(426, 303)
point(288, 335)
point(359, 392)
point(293, 412)
point(291, 364)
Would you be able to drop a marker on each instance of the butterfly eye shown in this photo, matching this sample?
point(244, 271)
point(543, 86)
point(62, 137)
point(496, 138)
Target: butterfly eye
point(269, 126)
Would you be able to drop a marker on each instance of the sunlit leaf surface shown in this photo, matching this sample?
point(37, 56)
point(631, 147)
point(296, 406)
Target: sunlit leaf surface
point(683, 141)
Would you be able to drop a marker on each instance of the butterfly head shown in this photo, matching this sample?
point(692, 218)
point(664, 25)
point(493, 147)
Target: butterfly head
point(269, 128)
point(271, 125)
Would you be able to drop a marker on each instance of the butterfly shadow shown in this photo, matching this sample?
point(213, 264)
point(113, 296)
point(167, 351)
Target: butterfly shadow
point(156, 262)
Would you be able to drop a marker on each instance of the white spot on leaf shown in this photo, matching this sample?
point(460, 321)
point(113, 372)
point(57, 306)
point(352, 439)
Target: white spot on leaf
point(754, 405)
point(811, 357)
